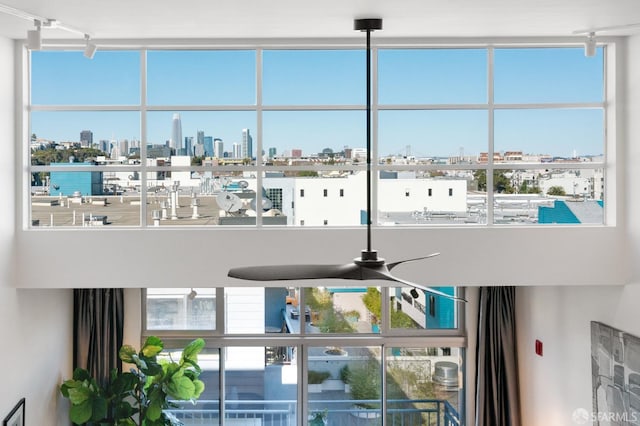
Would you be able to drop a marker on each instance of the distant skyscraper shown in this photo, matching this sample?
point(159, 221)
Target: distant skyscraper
point(123, 148)
point(176, 133)
point(86, 138)
point(247, 144)
point(296, 153)
point(201, 137)
point(188, 146)
point(272, 152)
point(237, 150)
point(218, 148)
point(208, 146)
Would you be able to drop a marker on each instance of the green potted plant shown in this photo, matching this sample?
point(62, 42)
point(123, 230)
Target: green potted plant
point(315, 379)
point(345, 376)
point(139, 396)
point(318, 418)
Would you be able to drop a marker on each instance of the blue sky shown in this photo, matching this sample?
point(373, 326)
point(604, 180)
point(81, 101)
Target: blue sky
point(319, 78)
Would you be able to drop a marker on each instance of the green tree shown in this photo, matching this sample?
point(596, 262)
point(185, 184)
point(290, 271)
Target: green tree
point(556, 191)
point(526, 189)
point(197, 160)
point(365, 383)
point(373, 302)
point(44, 157)
point(501, 183)
point(329, 321)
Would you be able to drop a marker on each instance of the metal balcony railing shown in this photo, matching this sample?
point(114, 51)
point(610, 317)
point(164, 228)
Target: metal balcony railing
point(421, 412)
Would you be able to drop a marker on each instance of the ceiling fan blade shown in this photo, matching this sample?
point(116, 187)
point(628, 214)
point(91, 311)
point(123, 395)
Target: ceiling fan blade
point(424, 288)
point(294, 272)
point(394, 264)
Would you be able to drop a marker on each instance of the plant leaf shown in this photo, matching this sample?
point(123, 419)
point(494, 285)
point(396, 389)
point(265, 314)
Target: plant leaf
point(192, 350)
point(181, 388)
point(126, 353)
point(79, 395)
point(152, 346)
point(155, 408)
point(80, 413)
point(99, 407)
point(199, 388)
point(81, 374)
point(141, 363)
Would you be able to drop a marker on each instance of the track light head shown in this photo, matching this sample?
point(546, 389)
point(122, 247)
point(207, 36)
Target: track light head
point(590, 45)
point(90, 48)
point(34, 37)
point(193, 294)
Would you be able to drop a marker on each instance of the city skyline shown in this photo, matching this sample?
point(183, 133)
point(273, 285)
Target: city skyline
point(305, 78)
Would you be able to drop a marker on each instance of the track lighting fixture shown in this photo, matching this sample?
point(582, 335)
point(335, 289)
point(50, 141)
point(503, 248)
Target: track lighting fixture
point(34, 37)
point(90, 48)
point(590, 45)
point(193, 294)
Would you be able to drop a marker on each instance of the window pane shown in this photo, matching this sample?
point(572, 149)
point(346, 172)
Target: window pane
point(548, 75)
point(344, 388)
point(425, 137)
point(549, 196)
point(84, 135)
point(258, 392)
point(181, 309)
point(68, 78)
point(257, 310)
point(314, 77)
point(169, 204)
point(304, 135)
point(432, 76)
point(315, 198)
point(342, 310)
point(550, 134)
point(431, 197)
point(424, 385)
point(426, 311)
point(88, 198)
point(227, 136)
point(200, 77)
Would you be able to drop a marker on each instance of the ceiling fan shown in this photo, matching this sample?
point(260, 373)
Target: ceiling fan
point(366, 267)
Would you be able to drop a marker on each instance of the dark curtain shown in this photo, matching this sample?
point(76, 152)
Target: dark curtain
point(497, 399)
point(98, 321)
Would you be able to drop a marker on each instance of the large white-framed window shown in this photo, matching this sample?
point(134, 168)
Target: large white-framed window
point(509, 133)
point(348, 354)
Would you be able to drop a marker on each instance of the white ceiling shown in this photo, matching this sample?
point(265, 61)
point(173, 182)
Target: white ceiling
point(140, 19)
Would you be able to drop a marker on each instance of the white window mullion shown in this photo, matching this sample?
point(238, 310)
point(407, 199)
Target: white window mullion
point(259, 163)
point(491, 134)
point(143, 138)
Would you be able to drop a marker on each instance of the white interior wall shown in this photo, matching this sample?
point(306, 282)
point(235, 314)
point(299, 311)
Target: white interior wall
point(555, 385)
point(35, 331)
point(139, 258)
